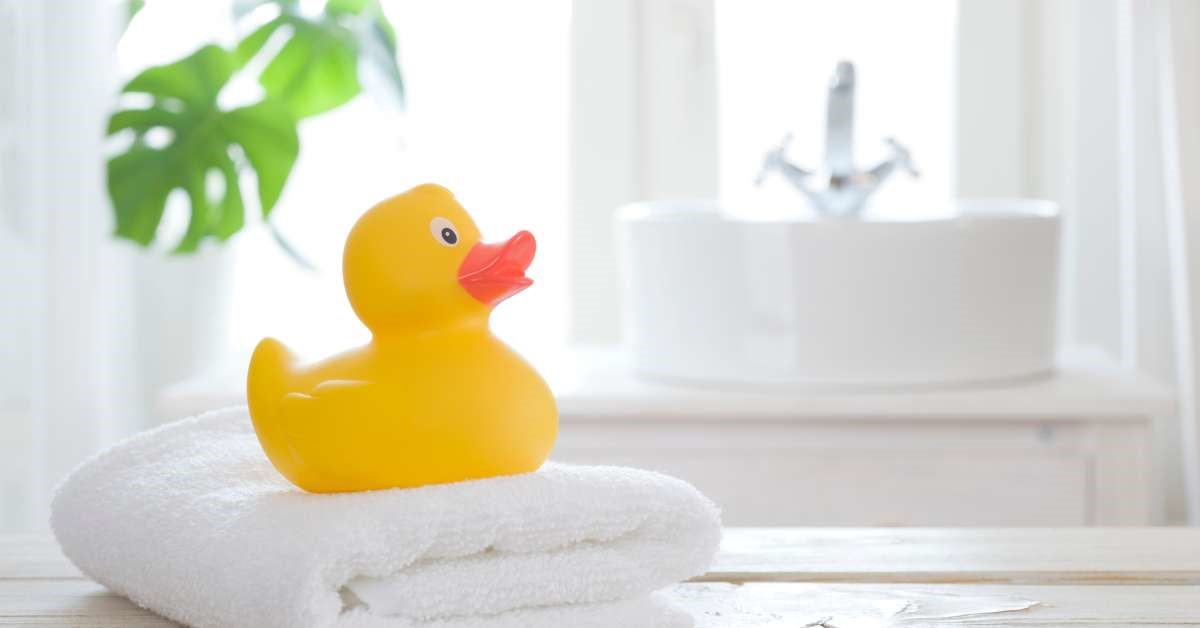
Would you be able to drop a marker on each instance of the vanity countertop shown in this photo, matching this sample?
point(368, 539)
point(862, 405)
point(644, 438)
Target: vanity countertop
point(794, 577)
point(598, 383)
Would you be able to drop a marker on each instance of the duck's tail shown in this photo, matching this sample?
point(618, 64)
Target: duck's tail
point(272, 369)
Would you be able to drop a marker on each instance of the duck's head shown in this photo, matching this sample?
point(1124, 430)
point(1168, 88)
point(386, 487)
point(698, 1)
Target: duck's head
point(417, 260)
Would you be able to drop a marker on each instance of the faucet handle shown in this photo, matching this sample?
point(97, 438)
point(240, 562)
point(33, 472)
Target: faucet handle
point(776, 159)
point(902, 158)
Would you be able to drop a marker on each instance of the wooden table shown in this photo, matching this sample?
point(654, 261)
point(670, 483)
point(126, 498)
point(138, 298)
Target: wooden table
point(807, 577)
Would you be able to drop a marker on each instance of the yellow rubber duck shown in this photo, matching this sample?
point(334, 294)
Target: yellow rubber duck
point(434, 397)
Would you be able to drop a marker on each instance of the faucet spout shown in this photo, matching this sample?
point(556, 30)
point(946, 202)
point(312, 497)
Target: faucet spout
point(839, 121)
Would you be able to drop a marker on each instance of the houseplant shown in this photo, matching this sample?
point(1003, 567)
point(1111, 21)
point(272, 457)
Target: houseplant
point(186, 139)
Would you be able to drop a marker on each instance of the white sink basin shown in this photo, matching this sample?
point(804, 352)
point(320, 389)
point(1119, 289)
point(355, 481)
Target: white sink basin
point(713, 297)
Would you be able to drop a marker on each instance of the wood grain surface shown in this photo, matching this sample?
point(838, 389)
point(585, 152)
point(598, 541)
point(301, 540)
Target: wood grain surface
point(804, 577)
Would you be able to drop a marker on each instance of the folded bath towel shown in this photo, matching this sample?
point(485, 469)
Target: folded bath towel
point(191, 521)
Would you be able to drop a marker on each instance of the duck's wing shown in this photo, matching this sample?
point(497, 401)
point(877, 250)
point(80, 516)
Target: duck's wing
point(331, 406)
point(341, 388)
point(327, 430)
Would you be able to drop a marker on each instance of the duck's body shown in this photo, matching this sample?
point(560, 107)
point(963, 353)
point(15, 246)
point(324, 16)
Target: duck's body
point(431, 399)
point(382, 416)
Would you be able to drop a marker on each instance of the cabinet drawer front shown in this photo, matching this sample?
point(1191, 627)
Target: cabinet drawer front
point(868, 487)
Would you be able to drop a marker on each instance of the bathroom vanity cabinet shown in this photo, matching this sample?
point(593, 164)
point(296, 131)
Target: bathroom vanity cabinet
point(1073, 448)
point(1069, 449)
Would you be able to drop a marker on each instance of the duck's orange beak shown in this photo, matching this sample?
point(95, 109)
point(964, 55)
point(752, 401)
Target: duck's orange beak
point(493, 272)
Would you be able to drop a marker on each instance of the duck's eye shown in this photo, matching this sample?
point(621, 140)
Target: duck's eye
point(443, 231)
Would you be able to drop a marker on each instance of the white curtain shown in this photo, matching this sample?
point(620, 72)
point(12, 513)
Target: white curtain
point(1178, 37)
point(69, 324)
point(1094, 103)
point(67, 332)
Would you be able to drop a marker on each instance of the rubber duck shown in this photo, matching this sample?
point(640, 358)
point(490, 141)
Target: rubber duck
point(434, 397)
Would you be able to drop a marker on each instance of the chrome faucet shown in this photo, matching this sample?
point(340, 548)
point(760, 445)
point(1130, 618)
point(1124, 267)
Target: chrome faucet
point(838, 190)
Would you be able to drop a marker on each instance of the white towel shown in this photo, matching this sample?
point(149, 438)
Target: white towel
point(191, 521)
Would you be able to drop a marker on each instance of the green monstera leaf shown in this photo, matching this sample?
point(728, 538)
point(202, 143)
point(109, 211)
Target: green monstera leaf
point(185, 140)
point(203, 143)
point(318, 66)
